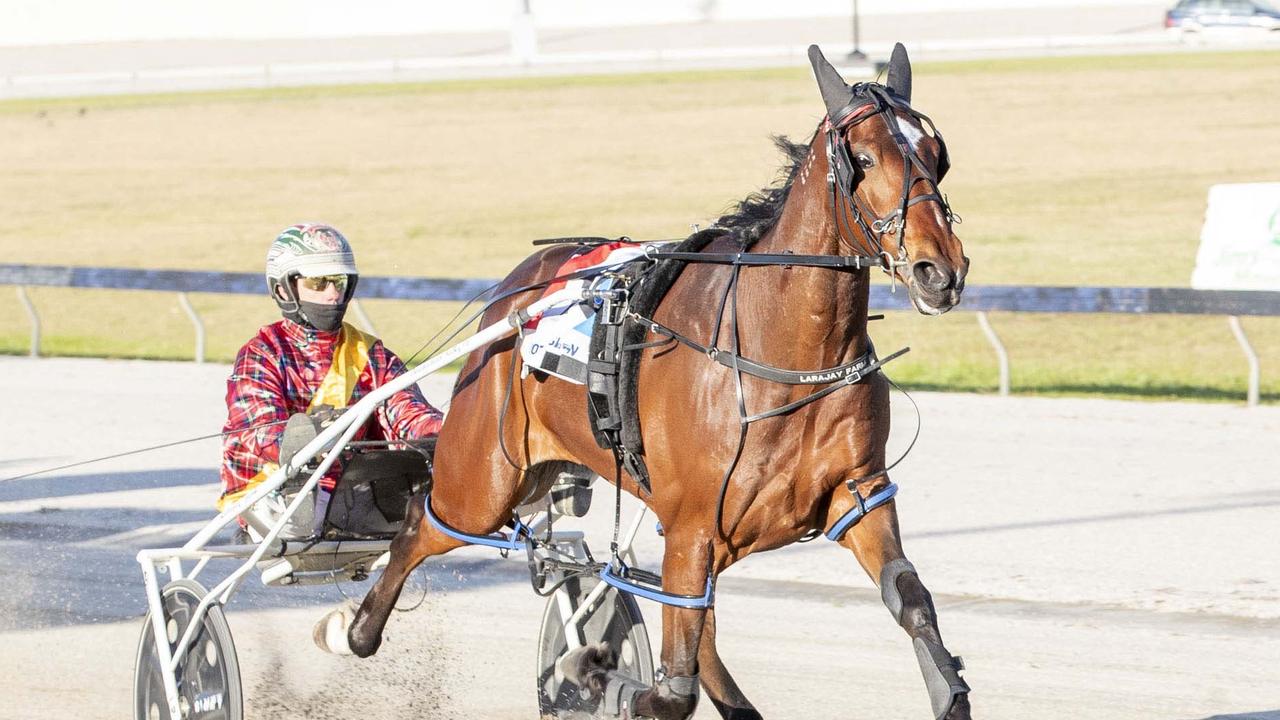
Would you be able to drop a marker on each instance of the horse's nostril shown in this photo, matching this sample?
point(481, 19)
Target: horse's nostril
point(932, 277)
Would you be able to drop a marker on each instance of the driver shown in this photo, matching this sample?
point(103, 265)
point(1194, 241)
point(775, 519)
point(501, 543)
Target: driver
point(310, 362)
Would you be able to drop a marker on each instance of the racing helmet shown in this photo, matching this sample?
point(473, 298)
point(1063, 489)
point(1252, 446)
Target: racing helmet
point(308, 250)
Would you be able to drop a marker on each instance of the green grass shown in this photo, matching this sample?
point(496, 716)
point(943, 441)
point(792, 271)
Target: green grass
point(1067, 171)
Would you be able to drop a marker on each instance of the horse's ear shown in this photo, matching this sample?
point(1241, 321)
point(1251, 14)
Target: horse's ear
point(900, 73)
point(835, 91)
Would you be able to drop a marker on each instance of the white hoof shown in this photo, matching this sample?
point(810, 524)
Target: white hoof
point(330, 634)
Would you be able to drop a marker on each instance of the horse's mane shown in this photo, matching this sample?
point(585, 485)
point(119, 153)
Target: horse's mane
point(757, 213)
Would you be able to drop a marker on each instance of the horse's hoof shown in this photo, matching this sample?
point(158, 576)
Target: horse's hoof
point(588, 667)
point(330, 634)
point(959, 708)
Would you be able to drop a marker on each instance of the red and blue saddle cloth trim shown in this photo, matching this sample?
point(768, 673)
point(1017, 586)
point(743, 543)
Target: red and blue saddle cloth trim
point(580, 260)
point(613, 574)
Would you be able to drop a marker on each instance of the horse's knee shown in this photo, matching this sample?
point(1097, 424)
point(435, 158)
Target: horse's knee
point(673, 698)
point(912, 606)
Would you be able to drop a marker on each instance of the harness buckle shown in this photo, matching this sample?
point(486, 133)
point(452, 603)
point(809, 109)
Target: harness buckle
point(888, 224)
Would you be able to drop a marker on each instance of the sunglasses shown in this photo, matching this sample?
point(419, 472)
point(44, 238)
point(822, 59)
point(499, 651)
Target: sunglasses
point(320, 283)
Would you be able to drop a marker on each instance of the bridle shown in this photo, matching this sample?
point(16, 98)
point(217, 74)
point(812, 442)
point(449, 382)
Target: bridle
point(848, 208)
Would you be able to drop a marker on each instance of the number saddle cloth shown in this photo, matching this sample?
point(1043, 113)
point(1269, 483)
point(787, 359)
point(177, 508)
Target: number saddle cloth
point(576, 344)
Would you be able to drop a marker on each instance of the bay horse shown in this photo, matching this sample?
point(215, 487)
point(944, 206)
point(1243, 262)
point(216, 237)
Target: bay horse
point(865, 186)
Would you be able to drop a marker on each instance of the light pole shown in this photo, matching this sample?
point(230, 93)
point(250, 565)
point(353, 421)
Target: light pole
point(524, 35)
point(856, 54)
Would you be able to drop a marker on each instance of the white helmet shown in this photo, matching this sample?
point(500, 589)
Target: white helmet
point(308, 250)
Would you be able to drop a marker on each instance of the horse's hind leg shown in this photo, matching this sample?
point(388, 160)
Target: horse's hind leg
point(675, 696)
point(878, 547)
point(416, 541)
point(720, 686)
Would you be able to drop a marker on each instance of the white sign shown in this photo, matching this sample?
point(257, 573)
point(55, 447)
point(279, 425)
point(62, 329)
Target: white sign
point(1240, 242)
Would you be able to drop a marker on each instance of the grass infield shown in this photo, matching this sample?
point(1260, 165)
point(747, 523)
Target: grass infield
point(1067, 171)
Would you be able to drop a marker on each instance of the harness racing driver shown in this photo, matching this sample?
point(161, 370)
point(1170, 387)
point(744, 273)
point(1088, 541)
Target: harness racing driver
point(311, 363)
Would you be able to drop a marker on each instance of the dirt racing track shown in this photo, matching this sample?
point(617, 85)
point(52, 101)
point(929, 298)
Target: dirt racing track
point(1089, 559)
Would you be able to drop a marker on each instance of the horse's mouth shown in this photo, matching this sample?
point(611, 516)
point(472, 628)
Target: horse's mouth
point(934, 303)
point(934, 287)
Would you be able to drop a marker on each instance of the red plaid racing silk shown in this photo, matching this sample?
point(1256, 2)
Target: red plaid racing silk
point(288, 368)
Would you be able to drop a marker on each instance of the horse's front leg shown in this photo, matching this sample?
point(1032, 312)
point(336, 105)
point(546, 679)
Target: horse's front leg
point(876, 543)
point(719, 684)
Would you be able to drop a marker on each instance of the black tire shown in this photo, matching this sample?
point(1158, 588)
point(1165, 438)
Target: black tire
point(616, 620)
point(208, 676)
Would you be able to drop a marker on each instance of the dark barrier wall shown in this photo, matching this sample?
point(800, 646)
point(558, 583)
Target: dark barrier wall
point(1012, 298)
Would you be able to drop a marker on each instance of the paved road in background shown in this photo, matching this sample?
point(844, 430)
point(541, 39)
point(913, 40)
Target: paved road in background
point(195, 64)
point(1090, 559)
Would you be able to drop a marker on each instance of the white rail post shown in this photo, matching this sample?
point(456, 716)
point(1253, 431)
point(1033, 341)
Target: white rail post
point(1255, 373)
point(1001, 355)
point(362, 317)
point(34, 318)
point(195, 320)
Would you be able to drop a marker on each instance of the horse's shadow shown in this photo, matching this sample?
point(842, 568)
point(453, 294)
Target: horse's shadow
point(1260, 715)
point(74, 563)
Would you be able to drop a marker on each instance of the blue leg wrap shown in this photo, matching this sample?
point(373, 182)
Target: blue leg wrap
point(851, 518)
point(514, 541)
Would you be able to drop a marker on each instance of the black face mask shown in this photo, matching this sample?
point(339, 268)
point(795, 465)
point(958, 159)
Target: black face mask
point(322, 317)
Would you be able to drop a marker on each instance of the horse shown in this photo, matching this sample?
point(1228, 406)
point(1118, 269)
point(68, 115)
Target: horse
point(862, 193)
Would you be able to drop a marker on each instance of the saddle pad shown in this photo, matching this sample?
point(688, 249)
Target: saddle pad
point(558, 341)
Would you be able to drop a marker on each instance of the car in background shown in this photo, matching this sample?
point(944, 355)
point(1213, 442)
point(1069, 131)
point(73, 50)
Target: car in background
point(1190, 16)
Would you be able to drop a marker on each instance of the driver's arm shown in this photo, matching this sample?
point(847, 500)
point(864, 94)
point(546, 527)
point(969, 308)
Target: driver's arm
point(407, 414)
point(255, 396)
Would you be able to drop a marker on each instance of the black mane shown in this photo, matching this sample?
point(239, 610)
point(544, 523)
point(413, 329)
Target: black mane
point(756, 214)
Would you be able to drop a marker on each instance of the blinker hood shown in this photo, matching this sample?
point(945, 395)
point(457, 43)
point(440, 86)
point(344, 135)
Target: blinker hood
point(841, 99)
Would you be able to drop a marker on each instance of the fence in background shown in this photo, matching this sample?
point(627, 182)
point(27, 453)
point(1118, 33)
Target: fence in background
point(982, 299)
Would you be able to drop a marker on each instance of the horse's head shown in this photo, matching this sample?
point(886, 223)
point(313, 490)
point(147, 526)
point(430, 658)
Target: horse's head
point(886, 161)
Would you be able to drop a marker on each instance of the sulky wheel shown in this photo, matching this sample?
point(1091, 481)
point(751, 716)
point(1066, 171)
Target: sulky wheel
point(208, 675)
point(615, 620)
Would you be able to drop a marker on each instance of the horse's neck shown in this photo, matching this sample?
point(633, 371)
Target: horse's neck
point(821, 309)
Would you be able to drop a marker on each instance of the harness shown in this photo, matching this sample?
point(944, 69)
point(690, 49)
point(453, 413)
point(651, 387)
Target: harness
point(610, 417)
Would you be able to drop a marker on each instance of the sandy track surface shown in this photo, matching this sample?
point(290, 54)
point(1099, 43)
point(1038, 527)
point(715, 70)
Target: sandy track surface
point(1090, 558)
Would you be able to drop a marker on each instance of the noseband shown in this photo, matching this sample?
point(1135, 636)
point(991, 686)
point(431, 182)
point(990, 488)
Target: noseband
point(847, 207)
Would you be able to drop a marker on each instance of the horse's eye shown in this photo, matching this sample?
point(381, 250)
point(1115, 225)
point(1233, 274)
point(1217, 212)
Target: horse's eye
point(864, 161)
